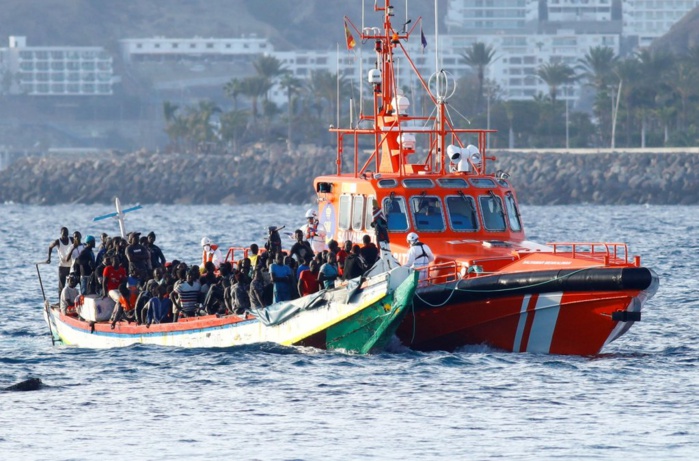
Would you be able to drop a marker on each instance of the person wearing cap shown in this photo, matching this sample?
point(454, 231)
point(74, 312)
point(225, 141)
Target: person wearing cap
point(69, 293)
point(210, 253)
point(86, 263)
point(419, 254)
point(138, 257)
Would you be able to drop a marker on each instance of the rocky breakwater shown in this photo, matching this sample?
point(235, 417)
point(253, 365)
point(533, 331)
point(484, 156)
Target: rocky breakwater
point(667, 176)
point(261, 174)
point(264, 174)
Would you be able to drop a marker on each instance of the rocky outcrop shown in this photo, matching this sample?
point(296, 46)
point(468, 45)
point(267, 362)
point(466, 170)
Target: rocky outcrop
point(271, 174)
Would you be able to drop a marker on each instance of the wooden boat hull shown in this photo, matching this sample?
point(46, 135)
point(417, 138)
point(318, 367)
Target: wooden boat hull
point(228, 331)
point(566, 316)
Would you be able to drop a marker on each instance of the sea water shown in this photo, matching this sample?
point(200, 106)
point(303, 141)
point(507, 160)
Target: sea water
point(639, 399)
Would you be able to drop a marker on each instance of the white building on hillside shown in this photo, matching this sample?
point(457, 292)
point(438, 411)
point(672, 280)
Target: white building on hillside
point(650, 19)
point(56, 70)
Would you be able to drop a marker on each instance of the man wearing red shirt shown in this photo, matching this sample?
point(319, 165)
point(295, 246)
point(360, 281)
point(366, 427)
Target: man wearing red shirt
point(308, 280)
point(112, 276)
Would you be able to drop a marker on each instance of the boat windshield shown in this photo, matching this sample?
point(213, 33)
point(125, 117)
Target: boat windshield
point(512, 213)
point(462, 213)
point(427, 213)
point(493, 214)
point(396, 214)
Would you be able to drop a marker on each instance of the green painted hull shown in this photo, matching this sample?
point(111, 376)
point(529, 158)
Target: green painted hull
point(372, 328)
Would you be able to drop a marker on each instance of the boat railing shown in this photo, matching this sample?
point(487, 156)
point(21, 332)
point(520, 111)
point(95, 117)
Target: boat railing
point(610, 253)
point(233, 253)
point(440, 273)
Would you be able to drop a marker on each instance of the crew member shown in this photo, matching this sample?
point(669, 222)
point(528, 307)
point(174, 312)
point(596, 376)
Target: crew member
point(313, 233)
point(210, 253)
point(419, 254)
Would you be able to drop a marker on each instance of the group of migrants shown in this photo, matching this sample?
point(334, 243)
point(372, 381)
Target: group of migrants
point(147, 289)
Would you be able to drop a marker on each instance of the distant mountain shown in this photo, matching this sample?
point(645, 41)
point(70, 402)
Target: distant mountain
point(682, 36)
point(297, 24)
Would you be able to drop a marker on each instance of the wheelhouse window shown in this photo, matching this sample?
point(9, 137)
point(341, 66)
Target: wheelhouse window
point(483, 183)
point(493, 214)
point(453, 183)
point(345, 212)
point(358, 212)
point(462, 213)
point(369, 212)
point(427, 213)
point(512, 212)
point(396, 214)
point(418, 183)
point(385, 183)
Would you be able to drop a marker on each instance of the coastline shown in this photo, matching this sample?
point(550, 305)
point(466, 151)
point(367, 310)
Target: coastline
point(271, 174)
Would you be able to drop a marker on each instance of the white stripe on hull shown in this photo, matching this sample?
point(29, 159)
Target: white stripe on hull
point(522, 323)
point(545, 316)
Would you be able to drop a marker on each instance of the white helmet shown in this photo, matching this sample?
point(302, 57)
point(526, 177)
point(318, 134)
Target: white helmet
point(311, 213)
point(205, 241)
point(412, 237)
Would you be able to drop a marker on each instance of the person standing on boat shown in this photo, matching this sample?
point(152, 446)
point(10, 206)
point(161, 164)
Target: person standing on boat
point(308, 279)
point(86, 262)
point(419, 254)
point(139, 258)
point(210, 253)
point(64, 249)
point(157, 259)
point(313, 233)
point(282, 278)
point(301, 249)
point(354, 264)
point(329, 271)
point(369, 251)
point(380, 226)
point(257, 289)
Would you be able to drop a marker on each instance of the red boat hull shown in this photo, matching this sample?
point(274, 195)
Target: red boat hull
point(554, 322)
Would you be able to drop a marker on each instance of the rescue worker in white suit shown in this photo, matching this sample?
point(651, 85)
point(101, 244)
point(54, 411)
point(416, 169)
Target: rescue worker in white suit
point(419, 254)
point(313, 233)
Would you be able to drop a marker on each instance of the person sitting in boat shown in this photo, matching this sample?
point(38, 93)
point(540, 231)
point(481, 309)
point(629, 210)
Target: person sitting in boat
point(159, 306)
point(256, 292)
point(308, 280)
point(419, 254)
point(301, 249)
point(240, 294)
point(64, 245)
point(329, 272)
point(313, 233)
point(68, 294)
point(138, 257)
point(210, 253)
point(369, 251)
point(354, 264)
point(86, 263)
point(157, 259)
point(128, 292)
point(282, 278)
point(185, 296)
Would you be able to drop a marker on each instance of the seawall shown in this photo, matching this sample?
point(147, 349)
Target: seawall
point(270, 174)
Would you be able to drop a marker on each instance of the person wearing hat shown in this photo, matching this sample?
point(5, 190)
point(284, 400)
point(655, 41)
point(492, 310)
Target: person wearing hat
point(69, 293)
point(210, 253)
point(419, 254)
point(86, 262)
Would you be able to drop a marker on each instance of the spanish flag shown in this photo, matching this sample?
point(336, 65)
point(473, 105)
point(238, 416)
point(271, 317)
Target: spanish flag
point(350, 39)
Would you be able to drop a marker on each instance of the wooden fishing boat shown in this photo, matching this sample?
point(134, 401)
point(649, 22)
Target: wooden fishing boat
point(489, 284)
point(360, 317)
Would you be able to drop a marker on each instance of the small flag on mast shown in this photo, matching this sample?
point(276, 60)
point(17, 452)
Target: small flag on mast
point(423, 40)
point(350, 39)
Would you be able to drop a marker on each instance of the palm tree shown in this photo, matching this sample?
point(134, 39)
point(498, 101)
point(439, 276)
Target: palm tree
point(269, 68)
point(253, 88)
point(682, 77)
point(292, 85)
point(233, 89)
point(199, 122)
point(554, 75)
point(597, 67)
point(323, 86)
point(479, 57)
point(233, 125)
